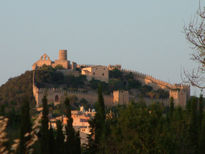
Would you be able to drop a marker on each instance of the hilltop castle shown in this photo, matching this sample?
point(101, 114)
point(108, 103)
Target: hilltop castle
point(179, 92)
point(62, 61)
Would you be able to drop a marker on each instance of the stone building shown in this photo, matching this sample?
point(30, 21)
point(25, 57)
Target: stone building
point(120, 97)
point(180, 93)
point(62, 61)
point(80, 123)
point(96, 72)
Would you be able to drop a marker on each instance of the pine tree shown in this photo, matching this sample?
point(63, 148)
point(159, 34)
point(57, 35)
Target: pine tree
point(44, 132)
point(25, 126)
point(59, 138)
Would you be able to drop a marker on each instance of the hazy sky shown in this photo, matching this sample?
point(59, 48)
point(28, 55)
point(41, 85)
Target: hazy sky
point(142, 35)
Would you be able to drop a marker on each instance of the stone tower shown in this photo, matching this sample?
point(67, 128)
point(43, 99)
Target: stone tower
point(180, 94)
point(120, 97)
point(62, 55)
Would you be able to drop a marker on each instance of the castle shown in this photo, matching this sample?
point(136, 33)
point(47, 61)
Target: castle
point(61, 61)
point(179, 92)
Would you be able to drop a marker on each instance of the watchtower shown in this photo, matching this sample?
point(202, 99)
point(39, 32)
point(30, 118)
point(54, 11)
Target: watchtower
point(62, 55)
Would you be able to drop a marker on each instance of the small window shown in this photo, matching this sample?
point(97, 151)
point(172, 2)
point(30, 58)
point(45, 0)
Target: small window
point(103, 74)
point(93, 73)
point(56, 98)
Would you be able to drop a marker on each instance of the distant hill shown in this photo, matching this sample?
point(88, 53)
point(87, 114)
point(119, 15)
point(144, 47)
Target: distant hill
point(12, 92)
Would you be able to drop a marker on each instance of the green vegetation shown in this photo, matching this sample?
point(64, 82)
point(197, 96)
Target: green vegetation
point(47, 76)
point(11, 95)
point(97, 125)
point(135, 128)
point(138, 128)
point(72, 145)
point(126, 81)
point(44, 132)
point(25, 126)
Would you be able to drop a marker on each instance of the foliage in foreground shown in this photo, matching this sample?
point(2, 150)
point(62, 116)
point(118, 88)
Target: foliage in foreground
point(138, 128)
point(135, 128)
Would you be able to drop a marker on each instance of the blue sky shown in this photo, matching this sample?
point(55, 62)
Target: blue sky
point(142, 35)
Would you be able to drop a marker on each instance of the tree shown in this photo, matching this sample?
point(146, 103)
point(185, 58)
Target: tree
point(25, 126)
point(59, 67)
point(72, 143)
point(201, 107)
point(171, 106)
point(97, 124)
point(44, 132)
point(193, 128)
point(77, 143)
point(195, 34)
point(202, 138)
point(59, 138)
point(52, 143)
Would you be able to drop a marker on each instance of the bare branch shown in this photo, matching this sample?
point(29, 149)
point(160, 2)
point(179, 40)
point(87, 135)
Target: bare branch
point(195, 34)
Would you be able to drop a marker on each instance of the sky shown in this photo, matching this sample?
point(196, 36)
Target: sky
point(142, 35)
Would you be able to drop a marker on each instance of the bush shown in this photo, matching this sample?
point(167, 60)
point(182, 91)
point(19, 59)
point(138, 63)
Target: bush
point(115, 74)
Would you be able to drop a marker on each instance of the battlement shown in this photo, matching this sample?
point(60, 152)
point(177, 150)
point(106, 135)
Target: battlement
point(157, 81)
point(60, 90)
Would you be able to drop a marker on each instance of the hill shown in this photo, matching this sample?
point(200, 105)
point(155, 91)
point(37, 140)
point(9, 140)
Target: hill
point(12, 92)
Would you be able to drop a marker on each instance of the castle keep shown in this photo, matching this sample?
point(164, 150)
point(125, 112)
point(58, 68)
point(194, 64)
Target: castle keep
point(179, 92)
point(62, 61)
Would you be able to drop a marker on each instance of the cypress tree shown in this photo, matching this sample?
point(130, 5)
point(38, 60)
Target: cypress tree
point(25, 126)
point(201, 106)
point(193, 127)
point(77, 143)
point(59, 138)
point(91, 147)
point(44, 132)
point(202, 138)
point(97, 124)
point(70, 132)
point(52, 142)
point(171, 106)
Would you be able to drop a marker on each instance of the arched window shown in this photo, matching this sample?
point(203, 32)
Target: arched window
point(56, 98)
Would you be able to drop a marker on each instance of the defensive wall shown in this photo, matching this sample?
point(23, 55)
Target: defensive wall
point(58, 95)
point(179, 92)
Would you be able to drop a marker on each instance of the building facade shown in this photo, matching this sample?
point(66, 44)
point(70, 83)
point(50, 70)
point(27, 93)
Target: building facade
point(180, 93)
point(96, 72)
point(120, 97)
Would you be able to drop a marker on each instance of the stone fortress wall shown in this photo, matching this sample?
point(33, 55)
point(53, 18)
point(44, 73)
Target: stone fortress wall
point(58, 95)
point(179, 92)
